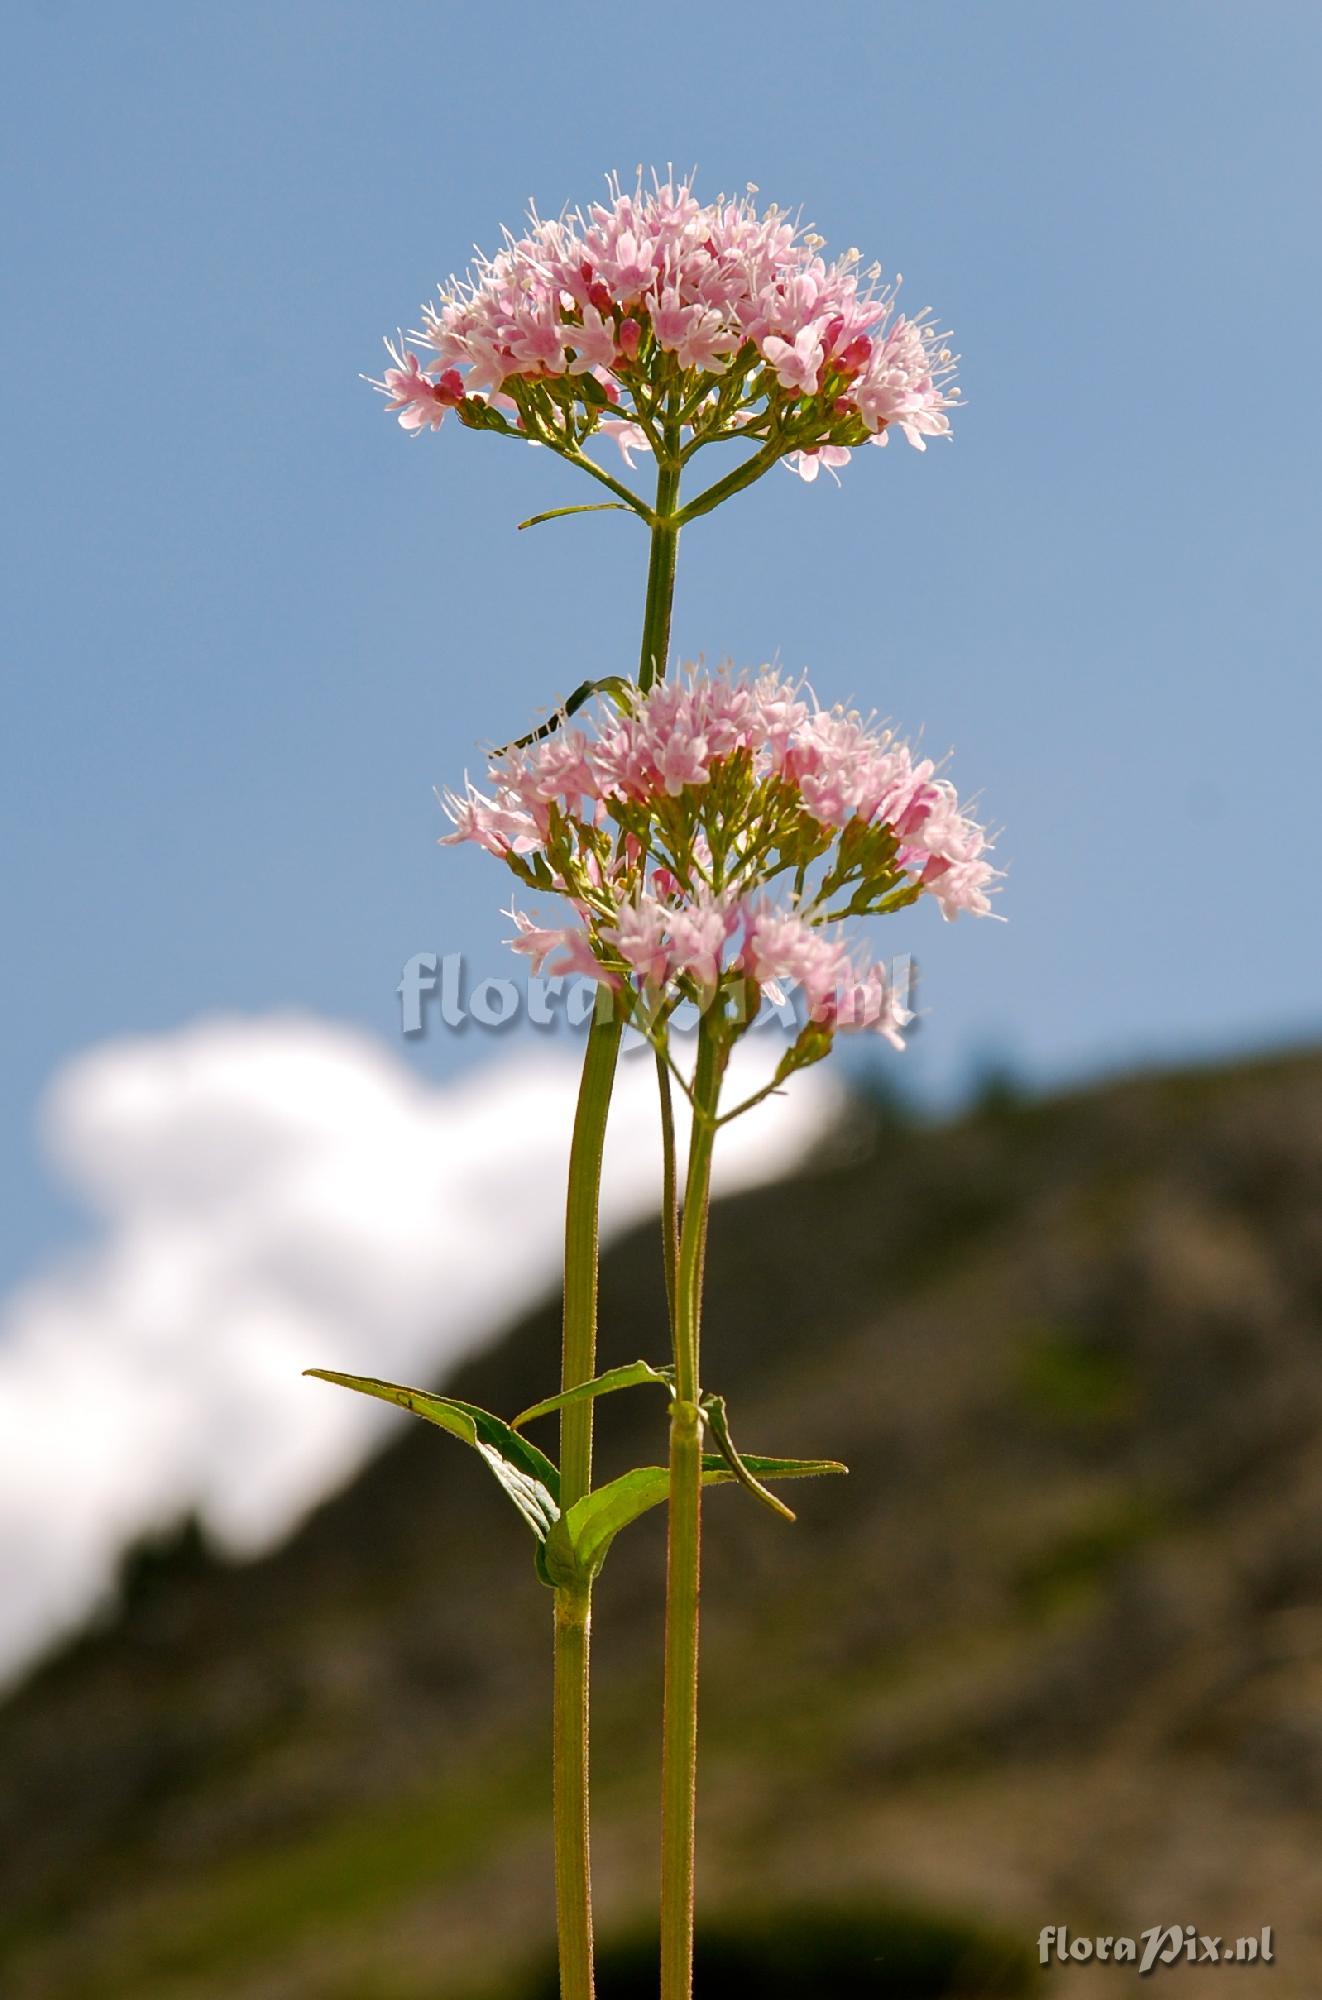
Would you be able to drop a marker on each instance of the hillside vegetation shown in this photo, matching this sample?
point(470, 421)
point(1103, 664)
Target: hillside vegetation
point(1051, 1655)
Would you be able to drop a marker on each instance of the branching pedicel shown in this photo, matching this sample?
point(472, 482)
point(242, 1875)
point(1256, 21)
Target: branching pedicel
point(712, 836)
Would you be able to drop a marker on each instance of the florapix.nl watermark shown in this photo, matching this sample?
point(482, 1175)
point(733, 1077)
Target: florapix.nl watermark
point(1156, 1948)
point(442, 989)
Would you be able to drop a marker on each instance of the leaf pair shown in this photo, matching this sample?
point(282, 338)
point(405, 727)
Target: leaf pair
point(572, 1546)
point(578, 1544)
point(619, 690)
point(526, 1474)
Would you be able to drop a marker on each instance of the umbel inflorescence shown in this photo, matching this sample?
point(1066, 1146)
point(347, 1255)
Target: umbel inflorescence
point(654, 309)
point(712, 837)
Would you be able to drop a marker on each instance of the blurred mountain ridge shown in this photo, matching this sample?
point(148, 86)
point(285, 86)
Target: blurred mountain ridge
point(1051, 1655)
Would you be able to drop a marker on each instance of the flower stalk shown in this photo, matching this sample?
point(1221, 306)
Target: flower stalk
point(660, 577)
point(573, 1608)
point(573, 1603)
point(573, 1860)
point(679, 1766)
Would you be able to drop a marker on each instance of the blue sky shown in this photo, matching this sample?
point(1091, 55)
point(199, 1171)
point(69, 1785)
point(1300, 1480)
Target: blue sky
point(250, 624)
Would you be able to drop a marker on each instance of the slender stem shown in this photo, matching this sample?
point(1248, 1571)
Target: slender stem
point(683, 1563)
point(578, 1359)
point(743, 475)
point(602, 477)
point(579, 1354)
point(573, 1878)
point(652, 668)
point(669, 1185)
point(660, 577)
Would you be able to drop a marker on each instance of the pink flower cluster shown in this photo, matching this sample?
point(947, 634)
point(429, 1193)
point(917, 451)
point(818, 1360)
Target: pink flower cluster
point(716, 285)
point(839, 767)
point(664, 825)
point(665, 940)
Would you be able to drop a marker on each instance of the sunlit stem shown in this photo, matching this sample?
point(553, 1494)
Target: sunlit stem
point(744, 475)
point(603, 478)
point(683, 1563)
point(660, 577)
point(573, 1865)
point(669, 1182)
point(573, 1873)
point(579, 1351)
point(652, 668)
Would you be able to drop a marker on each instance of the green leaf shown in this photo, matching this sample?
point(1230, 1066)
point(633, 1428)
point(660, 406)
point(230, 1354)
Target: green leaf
point(713, 1408)
point(626, 1377)
point(526, 1474)
point(577, 1545)
point(616, 686)
point(558, 513)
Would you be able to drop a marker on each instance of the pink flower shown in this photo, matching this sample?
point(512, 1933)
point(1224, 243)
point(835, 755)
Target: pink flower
point(421, 402)
point(535, 342)
point(640, 936)
point(947, 847)
point(572, 943)
point(833, 763)
point(959, 885)
point(809, 463)
point(699, 336)
point(903, 384)
point(781, 715)
point(779, 945)
point(698, 932)
point(554, 767)
point(872, 1003)
point(798, 362)
point(593, 343)
point(681, 757)
point(495, 825)
point(621, 248)
point(629, 437)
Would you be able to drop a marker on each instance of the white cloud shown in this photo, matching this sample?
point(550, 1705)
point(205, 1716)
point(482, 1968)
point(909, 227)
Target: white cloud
point(276, 1194)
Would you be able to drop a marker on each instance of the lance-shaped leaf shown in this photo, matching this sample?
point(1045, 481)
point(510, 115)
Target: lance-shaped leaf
point(625, 1377)
point(526, 1474)
point(615, 685)
point(713, 1408)
point(577, 1545)
point(558, 513)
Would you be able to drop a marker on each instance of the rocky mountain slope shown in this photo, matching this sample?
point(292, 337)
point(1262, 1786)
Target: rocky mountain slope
point(1051, 1655)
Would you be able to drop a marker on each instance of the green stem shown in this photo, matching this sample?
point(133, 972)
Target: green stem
point(743, 475)
point(579, 1354)
point(573, 1869)
point(652, 668)
point(684, 1549)
point(669, 1185)
point(660, 577)
point(602, 477)
point(573, 1879)
point(579, 1346)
